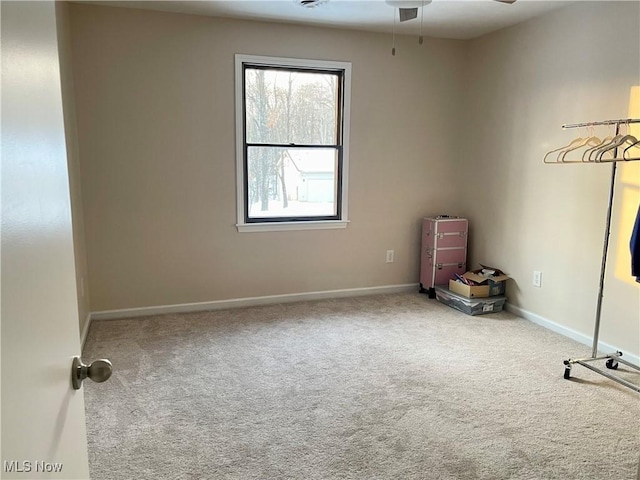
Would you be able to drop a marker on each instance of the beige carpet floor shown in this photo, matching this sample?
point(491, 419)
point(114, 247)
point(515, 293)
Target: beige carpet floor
point(380, 387)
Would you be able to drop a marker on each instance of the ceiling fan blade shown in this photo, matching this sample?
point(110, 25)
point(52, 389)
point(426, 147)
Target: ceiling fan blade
point(506, 1)
point(408, 14)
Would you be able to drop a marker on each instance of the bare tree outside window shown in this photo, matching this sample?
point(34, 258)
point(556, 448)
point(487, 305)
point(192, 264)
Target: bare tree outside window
point(293, 135)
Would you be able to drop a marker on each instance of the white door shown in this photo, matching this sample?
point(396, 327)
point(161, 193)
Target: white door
point(43, 422)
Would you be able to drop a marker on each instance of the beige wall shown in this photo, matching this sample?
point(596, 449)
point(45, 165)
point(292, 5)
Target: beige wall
point(73, 160)
point(523, 84)
point(155, 104)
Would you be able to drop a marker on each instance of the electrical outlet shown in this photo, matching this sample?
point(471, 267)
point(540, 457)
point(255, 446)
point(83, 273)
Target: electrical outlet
point(537, 278)
point(389, 256)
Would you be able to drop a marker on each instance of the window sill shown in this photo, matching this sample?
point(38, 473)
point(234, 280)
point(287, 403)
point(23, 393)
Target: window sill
point(286, 226)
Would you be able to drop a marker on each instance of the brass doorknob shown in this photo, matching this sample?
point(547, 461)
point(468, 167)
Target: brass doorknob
point(98, 371)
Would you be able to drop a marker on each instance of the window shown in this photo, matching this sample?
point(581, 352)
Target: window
point(292, 120)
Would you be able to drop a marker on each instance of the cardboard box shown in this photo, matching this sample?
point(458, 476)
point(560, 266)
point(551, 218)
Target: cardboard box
point(488, 287)
point(469, 291)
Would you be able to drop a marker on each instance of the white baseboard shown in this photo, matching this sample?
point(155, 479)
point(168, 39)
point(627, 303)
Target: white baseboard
point(568, 332)
point(85, 332)
point(250, 301)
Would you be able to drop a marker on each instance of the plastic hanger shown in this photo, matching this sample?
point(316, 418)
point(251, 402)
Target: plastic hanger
point(618, 143)
point(636, 144)
point(589, 141)
point(571, 144)
point(598, 154)
point(587, 153)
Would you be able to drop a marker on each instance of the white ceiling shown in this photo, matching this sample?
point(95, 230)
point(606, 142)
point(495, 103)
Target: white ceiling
point(460, 19)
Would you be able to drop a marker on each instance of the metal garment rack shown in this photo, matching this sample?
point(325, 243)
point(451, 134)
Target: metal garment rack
point(613, 359)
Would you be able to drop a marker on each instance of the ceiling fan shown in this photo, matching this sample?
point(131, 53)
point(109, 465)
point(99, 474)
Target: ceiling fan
point(409, 9)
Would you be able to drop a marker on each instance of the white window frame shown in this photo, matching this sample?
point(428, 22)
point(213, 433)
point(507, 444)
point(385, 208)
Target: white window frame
point(244, 226)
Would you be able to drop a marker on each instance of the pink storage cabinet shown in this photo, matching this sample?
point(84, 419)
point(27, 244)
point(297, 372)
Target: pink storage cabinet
point(444, 251)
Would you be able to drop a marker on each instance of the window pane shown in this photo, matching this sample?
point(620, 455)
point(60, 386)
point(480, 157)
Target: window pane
point(288, 106)
point(292, 182)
